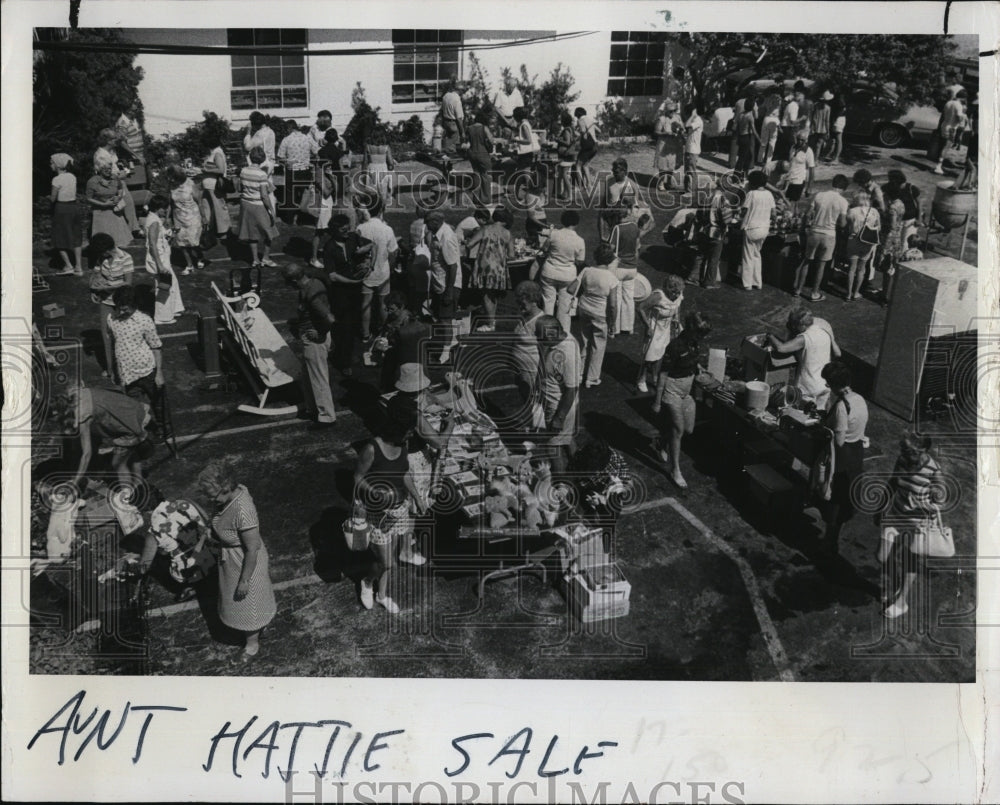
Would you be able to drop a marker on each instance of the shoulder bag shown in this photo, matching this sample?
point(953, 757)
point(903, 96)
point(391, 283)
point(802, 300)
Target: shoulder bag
point(574, 303)
point(867, 234)
point(933, 538)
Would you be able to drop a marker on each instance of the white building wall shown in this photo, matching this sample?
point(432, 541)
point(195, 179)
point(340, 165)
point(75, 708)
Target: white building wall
point(176, 89)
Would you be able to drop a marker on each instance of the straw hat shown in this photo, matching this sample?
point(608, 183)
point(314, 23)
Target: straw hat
point(412, 378)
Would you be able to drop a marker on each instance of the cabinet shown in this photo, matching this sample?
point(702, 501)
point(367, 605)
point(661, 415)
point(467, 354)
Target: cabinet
point(933, 299)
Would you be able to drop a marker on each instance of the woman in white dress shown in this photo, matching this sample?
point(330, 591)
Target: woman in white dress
point(168, 293)
point(661, 315)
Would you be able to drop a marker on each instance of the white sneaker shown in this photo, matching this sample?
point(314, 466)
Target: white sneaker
point(896, 610)
point(938, 170)
point(413, 558)
point(316, 263)
point(391, 606)
point(643, 388)
point(367, 594)
point(445, 356)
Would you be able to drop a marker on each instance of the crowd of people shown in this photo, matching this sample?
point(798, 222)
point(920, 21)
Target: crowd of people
point(366, 290)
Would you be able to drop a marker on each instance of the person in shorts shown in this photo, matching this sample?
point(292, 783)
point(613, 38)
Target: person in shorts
point(673, 391)
point(446, 276)
point(827, 213)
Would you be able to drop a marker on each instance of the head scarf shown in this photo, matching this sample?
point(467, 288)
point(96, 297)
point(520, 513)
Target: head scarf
point(61, 160)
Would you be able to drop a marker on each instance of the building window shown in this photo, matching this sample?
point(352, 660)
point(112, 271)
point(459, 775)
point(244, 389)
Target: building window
point(636, 63)
point(423, 61)
point(269, 82)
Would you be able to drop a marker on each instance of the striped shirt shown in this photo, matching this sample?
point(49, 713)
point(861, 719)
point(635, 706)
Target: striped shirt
point(912, 488)
point(252, 179)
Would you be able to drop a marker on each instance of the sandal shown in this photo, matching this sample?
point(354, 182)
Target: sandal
point(817, 297)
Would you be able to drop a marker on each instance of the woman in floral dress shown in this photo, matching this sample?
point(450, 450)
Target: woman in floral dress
point(186, 213)
point(489, 271)
point(246, 596)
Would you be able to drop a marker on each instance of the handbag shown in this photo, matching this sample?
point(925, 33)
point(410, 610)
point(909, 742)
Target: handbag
point(933, 538)
point(574, 303)
point(357, 530)
point(865, 229)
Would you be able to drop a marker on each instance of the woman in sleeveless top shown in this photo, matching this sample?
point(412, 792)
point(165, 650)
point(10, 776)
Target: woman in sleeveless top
point(246, 596)
point(215, 167)
point(378, 163)
point(383, 487)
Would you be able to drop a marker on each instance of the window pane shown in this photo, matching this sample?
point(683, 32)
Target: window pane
point(656, 51)
point(242, 61)
point(619, 52)
point(268, 76)
point(243, 77)
point(269, 98)
point(450, 36)
point(295, 96)
point(238, 37)
point(402, 36)
point(293, 75)
point(654, 86)
point(426, 36)
point(402, 72)
point(266, 36)
point(268, 61)
point(293, 36)
point(296, 60)
point(654, 68)
point(243, 99)
point(618, 69)
point(634, 86)
point(425, 57)
point(426, 72)
point(658, 37)
point(402, 93)
point(425, 93)
point(619, 36)
point(616, 87)
point(637, 52)
point(448, 55)
point(403, 55)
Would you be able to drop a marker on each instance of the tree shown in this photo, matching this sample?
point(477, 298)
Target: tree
point(719, 63)
point(78, 94)
point(554, 97)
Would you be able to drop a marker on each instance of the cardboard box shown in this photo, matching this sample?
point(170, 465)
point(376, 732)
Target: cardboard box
point(760, 363)
point(599, 593)
point(583, 547)
point(53, 310)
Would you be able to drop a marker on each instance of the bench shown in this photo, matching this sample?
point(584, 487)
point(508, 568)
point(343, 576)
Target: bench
point(263, 355)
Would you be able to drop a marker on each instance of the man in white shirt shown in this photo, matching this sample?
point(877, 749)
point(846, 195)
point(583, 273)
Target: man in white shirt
point(505, 101)
point(260, 134)
point(827, 213)
point(562, 373)
point(446, 275)
point(802, 166)
point(693, 126)
point(297, 152)
point(375, 286)
point(789, 127)
point(452, 118)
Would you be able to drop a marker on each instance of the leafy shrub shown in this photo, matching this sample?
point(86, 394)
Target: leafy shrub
point(195, 141)
point(613, 121)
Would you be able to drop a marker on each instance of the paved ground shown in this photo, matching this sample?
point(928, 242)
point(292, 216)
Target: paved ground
point(719, 589)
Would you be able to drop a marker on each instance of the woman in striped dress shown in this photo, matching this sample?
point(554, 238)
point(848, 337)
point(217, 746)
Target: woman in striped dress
point(915, 474)
point(246, 597)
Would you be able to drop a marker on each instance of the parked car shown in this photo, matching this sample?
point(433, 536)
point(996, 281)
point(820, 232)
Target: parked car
point(872, 112)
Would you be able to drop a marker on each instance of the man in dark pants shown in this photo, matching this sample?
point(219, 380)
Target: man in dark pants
point(345, 265)
point(314, 323)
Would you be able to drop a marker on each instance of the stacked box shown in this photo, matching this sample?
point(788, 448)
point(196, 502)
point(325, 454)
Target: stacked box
point(599, 593)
